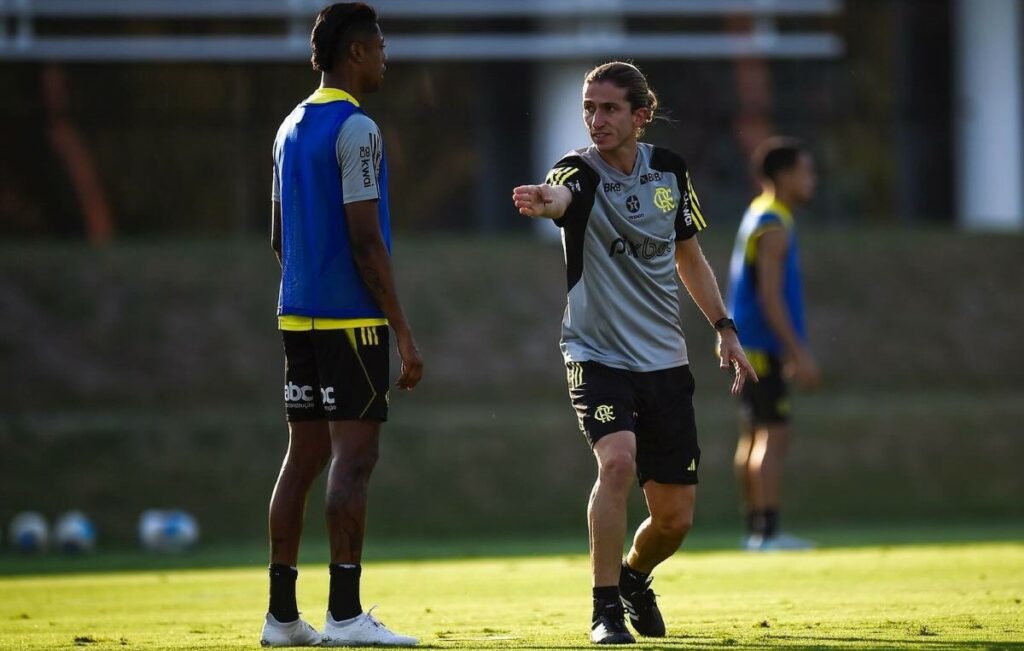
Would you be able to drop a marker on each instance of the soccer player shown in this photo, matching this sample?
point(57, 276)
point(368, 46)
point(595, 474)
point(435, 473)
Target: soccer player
point(765, 298)
point(332, 235)
point(629, 216)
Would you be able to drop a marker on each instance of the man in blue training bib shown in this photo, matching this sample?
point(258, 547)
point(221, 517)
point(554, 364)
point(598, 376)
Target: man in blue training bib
point(766, 301)
point(332, 235)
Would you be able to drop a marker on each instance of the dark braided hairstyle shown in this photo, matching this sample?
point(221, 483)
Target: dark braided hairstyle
point(336, 27)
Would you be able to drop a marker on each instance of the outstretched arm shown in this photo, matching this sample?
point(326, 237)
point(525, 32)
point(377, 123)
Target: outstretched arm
point(546, 201)
point(374, 264)
point(700, 282)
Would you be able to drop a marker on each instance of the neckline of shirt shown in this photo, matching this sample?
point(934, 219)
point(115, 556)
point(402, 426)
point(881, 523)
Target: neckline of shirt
point(641, 151)
point(768, 202)
point(324, 95)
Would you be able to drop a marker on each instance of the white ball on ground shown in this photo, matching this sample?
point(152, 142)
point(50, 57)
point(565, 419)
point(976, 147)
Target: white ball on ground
point(74, 533)
point(151, 529)
point(180, 530)
point(167, 531)
point(29, 533)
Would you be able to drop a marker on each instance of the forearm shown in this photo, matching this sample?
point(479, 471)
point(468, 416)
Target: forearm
point(275, 229)
point(778, 320)
point(374, 266)
point(560, 200)
point(700, 282)
point(542, 201)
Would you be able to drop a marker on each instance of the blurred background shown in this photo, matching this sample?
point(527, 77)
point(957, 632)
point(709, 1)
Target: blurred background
point(139, 359)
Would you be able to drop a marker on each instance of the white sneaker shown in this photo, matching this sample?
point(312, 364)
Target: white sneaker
point(362, 630)
point(782, 542)
point(752, 543)
point(297, 633)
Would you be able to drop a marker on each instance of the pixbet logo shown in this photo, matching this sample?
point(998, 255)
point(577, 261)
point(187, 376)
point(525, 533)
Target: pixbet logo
point(295, 393)
point(648, 249)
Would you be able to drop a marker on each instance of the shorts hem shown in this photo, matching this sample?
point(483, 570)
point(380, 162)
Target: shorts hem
point(679, 481)
point(333, 419)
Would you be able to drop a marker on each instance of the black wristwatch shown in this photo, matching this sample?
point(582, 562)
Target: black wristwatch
point(726, 322)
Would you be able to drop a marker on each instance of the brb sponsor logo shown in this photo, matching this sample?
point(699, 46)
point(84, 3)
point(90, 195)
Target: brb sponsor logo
point(648, 249)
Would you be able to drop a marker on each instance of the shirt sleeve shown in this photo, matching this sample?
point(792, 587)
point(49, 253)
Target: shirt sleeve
point(572, 173)
point(275, 189)
point(359, 150)
point(689, 218)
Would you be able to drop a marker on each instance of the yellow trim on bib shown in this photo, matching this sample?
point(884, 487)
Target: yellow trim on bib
point(324, 95)
point(767, 202)
point(295, 323)
point(762, 204)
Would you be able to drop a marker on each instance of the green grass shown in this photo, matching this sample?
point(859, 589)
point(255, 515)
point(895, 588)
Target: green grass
point(948, 596)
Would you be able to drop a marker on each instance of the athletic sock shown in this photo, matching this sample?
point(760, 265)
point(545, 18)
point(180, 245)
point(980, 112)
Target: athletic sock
point(343, 601)
point(604, 597)
point(770, 520)
point(630, 578)
point(282, 593)
point(753, 522)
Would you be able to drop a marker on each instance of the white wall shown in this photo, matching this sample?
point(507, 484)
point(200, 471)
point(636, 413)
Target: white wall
point(987, 114)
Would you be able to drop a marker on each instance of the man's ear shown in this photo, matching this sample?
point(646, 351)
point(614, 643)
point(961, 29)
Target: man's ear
point(357, 50)
point(641, 117)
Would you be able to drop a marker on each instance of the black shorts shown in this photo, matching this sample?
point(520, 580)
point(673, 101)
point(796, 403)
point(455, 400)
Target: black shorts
point(765, 402)
point(656, 406)
point(336, 374)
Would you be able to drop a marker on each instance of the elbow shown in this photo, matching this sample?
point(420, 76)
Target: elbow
point(363, 249)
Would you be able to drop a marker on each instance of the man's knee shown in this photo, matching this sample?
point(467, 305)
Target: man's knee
point(617, 467)
point(357, 465)
point(675, 524)
point(310, 463)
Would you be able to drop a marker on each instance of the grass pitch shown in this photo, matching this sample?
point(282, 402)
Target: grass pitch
point(956, 596)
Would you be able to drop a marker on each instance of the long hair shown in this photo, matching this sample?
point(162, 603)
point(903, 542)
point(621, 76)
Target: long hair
point(627, 76)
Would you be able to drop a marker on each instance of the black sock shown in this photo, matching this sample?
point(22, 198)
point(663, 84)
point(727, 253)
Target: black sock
point(605, 596)
point(282, 593)
point(628, 577)
point(343, 601)
point(753, 522)
point(770, 519)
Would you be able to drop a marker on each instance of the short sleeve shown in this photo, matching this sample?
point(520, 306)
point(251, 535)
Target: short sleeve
point(359, 150)
point(572, 173)
point(275, 189)
point(689, 218)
